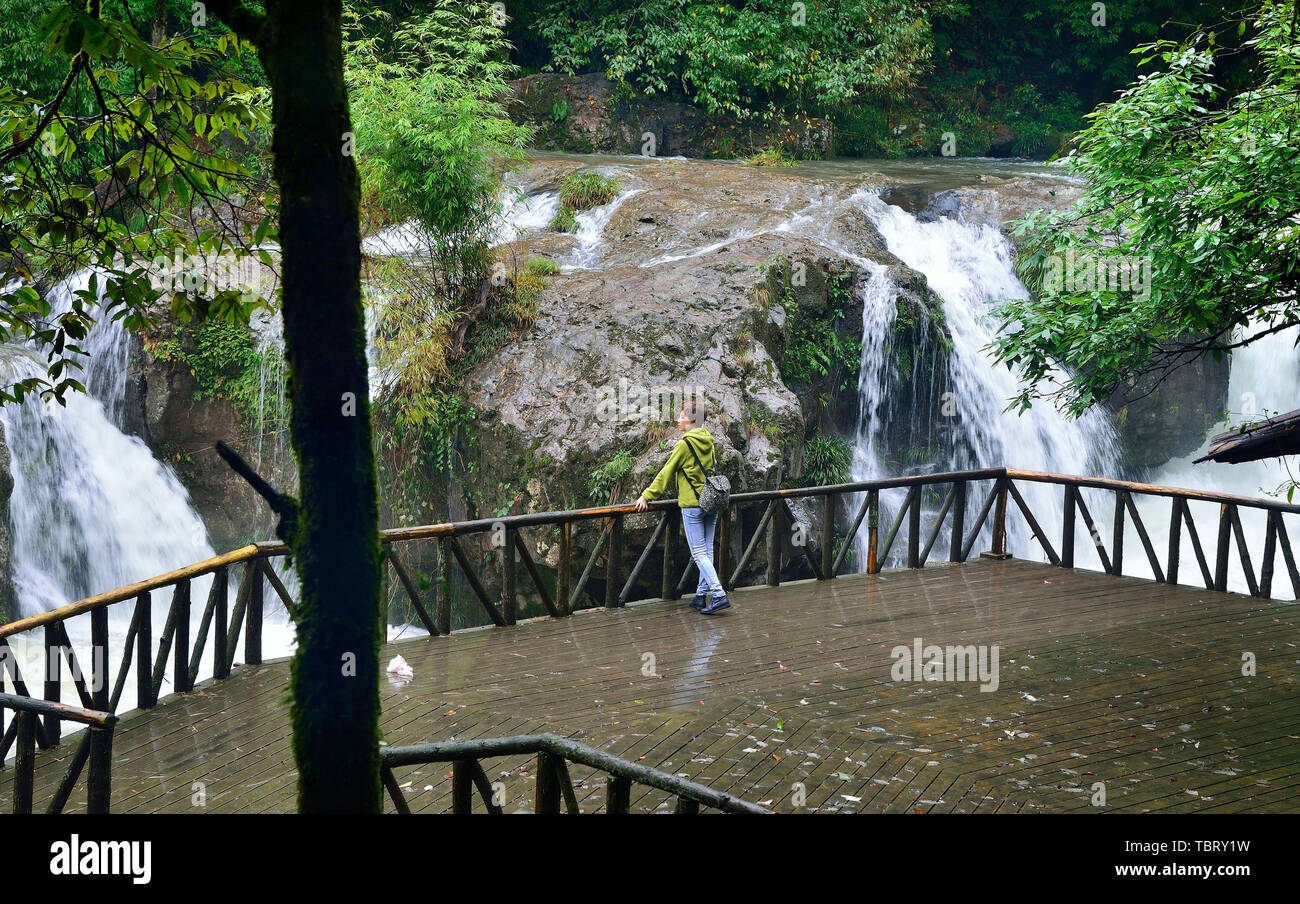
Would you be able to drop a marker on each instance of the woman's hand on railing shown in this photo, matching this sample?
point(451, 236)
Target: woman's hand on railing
point(641, 504)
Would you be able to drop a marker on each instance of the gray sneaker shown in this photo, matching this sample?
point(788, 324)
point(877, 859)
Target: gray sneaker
point(716, 606)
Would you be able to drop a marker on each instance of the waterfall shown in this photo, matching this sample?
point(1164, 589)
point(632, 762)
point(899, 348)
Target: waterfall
point(1265, 380)
point(591, 233)
point(968, 266)
point(91, 508)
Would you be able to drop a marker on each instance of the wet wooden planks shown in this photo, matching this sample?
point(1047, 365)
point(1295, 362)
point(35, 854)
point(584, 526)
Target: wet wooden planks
point(1113, 686)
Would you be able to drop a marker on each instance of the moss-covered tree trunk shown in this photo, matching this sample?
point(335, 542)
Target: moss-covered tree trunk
point(335, 541)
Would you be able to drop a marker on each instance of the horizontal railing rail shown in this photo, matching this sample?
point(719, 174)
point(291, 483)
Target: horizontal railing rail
point(760, 537)
point(553, 782)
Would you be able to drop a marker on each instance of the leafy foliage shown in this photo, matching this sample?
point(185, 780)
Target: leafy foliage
point(606, 480)
point(748, 59)
point(148, 175)
point(583, 191)
point(431, 140)
point(827, 460)
point(770, 157)
point(815, 348)
point(565, 220)
point(1192, 190)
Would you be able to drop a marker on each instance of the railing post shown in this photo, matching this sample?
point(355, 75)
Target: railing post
point(462, 777)
point(144, 651)
point(1117, 536)
point(548, 784)
point(99, 657)
point(99, 780)
point(220, 627)
point(25, 761)
point(53, 684)
point(1270, 552)
point(873, 533)
point(914, 530)
point(668, 578)
point(958, 521)
point(724, 548)
point(384, 553)
point(1067, 527)
point(1000, 520)
point(618, 795)
point(1221, 551)
point(442, 587)
point(253, 625)
point(1175, 539)
point(181, 644)
point(774, 544)
point(564, 577)
point(509, 594)
point(828, 536)
point(613, 553)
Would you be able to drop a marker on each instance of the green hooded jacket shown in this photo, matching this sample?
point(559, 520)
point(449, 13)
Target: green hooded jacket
point(681, 466)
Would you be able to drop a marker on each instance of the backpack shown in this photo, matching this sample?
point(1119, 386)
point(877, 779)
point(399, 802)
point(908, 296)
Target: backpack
point(715, 493)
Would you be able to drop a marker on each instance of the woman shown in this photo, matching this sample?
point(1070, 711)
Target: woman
point(710, 598)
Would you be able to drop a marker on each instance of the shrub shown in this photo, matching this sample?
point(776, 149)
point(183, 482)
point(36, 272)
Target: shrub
point(827, 460)
point(583, 191)
point(607, 479)
point(770, 157)
point(541, 266)
point(564, 220)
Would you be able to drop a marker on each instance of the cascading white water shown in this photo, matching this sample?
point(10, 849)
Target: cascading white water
point(91, 509)
point(591, 233)
point(969, 266)
point(1265, 380)
point(878, 315)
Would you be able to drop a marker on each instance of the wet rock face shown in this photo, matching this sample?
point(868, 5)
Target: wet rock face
point(583, 115)
point(164, 409)
point(999, 202)
point(613, 354)
point(1157, 423)
point(702, 274)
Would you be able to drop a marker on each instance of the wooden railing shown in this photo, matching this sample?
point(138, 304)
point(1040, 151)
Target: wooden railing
point(98, 750)
point(553, 753)
point(942, 500)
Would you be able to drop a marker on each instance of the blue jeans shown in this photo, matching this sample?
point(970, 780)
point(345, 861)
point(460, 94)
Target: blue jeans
point(699, 536)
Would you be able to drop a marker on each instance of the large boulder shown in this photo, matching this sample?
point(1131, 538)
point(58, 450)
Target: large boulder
point(1159, 418)
point(702, 275)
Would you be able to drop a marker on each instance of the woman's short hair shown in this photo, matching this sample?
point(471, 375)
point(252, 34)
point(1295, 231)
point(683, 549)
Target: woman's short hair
point(696, 411)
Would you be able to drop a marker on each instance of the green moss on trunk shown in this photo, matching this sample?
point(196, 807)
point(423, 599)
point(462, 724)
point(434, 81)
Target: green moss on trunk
point(335, 672)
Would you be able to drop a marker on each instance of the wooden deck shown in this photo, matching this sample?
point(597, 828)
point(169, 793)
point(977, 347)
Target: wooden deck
point(1102, 679)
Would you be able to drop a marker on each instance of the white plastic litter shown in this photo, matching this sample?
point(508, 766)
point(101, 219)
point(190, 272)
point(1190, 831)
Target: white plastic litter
point(399, 668)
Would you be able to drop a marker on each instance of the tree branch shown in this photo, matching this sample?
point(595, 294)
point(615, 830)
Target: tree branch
point(18, 148)
point(283, 505)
